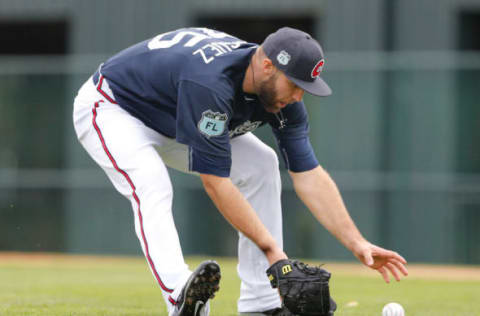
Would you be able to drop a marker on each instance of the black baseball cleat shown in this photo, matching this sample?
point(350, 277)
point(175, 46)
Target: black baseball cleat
point(200, 287)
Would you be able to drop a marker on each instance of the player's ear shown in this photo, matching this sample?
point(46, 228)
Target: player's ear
point(268, 67)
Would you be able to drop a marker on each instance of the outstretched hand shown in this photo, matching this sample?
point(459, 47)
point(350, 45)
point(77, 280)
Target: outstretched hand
point(382, 260)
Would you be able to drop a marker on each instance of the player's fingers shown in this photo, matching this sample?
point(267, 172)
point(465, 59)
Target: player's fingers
point(393, 270)
point(366, 257)
point(400, 267)
point(390, 254)
point(397, 256)
point(384, 274)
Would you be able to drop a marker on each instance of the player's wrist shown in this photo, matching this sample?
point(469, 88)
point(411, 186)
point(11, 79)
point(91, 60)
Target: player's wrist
point(357, 245)
point(274, 255)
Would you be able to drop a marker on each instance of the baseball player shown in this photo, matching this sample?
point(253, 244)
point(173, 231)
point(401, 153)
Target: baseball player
point(189, 99)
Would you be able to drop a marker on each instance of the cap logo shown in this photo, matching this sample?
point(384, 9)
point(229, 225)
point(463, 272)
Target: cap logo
point(318, 68)
point(283, 58)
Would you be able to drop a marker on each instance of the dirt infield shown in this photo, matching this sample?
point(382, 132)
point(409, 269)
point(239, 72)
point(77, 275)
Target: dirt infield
point(417, 271)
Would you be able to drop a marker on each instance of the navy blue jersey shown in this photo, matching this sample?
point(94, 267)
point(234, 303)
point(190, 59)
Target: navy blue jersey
point(187, 85)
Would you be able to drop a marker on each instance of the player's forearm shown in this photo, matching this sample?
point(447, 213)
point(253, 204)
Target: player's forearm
point(239, 213)
point(320, 194)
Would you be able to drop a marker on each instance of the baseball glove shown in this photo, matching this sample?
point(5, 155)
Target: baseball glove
point(304, 289)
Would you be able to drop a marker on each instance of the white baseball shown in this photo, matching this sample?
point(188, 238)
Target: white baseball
point(393, 309)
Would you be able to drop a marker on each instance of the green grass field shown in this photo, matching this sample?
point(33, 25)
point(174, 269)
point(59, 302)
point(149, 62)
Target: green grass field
point(39, 284)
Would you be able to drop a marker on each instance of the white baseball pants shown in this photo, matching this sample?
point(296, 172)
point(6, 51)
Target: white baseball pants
point(135, 157)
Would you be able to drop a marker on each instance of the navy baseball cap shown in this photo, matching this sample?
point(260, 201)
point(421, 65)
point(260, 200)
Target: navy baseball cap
point(300, 57)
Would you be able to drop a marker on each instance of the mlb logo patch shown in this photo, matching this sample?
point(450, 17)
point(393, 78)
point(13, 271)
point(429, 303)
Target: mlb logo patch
point(283, 58)
point(212, 123)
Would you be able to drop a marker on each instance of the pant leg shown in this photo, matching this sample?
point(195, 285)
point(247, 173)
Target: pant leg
point(255, 171)
point(126, 150)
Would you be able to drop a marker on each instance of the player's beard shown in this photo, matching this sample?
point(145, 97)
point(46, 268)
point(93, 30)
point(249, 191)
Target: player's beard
point(268, 95)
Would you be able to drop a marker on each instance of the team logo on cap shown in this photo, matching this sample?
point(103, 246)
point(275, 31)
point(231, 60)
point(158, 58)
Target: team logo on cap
point(283, 58)
point(318, 68)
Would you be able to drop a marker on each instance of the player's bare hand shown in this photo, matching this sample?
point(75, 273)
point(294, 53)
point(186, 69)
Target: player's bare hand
point(383, 260)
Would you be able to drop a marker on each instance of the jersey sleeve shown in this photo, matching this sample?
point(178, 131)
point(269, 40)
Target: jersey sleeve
point(202, 124)
point(293, 138)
